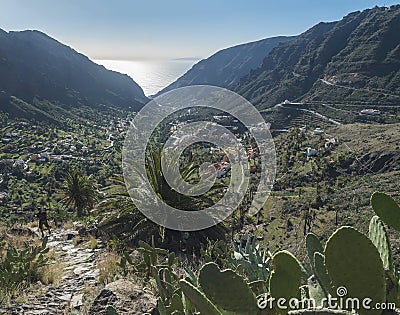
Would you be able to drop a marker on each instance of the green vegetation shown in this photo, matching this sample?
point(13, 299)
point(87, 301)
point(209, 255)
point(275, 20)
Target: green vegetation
point(350, 261)
point(312, 194)
point(317, 232)
point(20, 267)
point(79, 191)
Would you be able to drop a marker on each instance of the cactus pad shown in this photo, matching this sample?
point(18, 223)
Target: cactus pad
point(285, 280)
point(378, 236)
point(313, 246)
point(353, 262)
point(227, 290)
point(198, 299)
point(321, 273)
point(387, 209)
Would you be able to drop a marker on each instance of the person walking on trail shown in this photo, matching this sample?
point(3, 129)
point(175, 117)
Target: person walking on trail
point(42, 217)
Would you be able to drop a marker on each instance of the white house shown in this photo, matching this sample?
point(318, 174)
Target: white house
point(318, 131)
point(311, 152)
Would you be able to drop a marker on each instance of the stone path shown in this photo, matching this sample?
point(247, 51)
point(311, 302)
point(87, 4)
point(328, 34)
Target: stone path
point(79, 276)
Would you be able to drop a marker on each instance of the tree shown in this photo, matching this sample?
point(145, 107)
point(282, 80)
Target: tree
point(79, 191)
point(120, 217)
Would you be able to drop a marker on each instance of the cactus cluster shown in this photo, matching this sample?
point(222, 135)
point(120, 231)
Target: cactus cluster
point(313, 246)
point(220, 292)
point(361, 264)
point(18, 266)
point(388, 211)
point(254, 260)
point(248, 258)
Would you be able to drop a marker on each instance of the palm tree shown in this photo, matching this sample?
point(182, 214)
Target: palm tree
point(120, 217)
point(169, 195)
point(79, 191)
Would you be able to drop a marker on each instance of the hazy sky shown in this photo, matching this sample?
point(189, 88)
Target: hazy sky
point(130, 29)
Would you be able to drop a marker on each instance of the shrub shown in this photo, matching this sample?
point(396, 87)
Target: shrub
point(19, 267)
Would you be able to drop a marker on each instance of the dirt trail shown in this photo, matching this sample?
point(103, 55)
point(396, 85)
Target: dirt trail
point(79, 277)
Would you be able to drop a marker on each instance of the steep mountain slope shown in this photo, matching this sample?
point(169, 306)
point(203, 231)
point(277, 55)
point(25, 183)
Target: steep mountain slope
point(35, 68)
point(227, 66)
point(356, 59)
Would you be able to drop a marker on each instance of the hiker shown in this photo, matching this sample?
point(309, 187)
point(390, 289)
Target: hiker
point(42, 217)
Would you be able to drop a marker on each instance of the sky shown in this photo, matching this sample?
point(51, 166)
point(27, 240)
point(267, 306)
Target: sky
point(150, 29)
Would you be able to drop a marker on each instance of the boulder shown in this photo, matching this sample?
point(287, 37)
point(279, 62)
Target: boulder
point(126, 297)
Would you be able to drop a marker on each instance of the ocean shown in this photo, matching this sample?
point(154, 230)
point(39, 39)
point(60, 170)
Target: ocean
point(151, 75)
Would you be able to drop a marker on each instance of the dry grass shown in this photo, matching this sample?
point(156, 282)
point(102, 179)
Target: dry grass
point(68, 225)
point(32, 224)
point(93, 244)
point(15, 240)
point(51, 273)
point(108, 267)
point(18, 241)
point(52, 254)
point(77, 240)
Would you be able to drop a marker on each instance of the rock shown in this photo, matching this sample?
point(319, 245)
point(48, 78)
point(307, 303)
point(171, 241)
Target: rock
point(53, 244)
point(26, 306)
point(82, 232)
point(65, 297)
point(77, 301)
point(67, 248)
point(126, 297)
point(37, 312)
point(71, 234)
point(79, 270)
point(92, 274)
point(78, 225)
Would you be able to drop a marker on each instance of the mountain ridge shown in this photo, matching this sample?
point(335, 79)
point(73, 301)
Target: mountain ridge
point(34, 65)
point(228, 65)
point(360, 51)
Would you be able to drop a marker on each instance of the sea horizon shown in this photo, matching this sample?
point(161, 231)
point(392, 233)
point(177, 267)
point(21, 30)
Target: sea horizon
point(151, 74)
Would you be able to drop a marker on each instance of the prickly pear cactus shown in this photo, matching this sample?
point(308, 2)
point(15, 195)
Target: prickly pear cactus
point(313, 246)
point(387, 209)
point(378, 235)
point(199, 300)
point(355, 268)
point(321, 273)
point(285, 279)
point(393, 289)
point(227, 290)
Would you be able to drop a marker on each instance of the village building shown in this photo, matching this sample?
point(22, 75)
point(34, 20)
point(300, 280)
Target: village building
point(318, 131)
point(311, 152)
point(370, 111)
